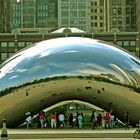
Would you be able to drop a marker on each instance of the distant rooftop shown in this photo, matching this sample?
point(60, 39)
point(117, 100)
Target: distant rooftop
point(69, 30)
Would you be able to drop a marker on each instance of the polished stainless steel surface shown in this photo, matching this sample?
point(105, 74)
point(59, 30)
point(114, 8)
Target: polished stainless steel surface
point(71, 57)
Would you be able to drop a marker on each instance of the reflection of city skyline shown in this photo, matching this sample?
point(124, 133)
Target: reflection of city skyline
point(84, 58)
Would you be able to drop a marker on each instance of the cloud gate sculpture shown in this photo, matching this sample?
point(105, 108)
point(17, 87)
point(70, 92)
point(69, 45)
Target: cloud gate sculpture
point(69, 68)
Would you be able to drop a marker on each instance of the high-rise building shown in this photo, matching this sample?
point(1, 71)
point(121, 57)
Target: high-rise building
point(46, 14)
point(15, 14)
point(72, 13)
point(28, 13)
point(97, 15)
point(4, 16)
point(138, 14)
point(88, 15)
point(122, 15)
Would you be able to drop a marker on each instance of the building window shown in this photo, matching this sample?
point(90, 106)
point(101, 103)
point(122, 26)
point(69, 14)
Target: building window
point(127, 20)
point(29, 43)
point(11, 44)
point(119, 21)
point(101, 2)
point(95, 10)
point(21, 44)
point(113, 2)
point(125, 43)
point(101, 17)
point(91, 10)
point(133, 11)
point(95, 24)
point(119, 2)
point(65, 21)
point(127, 10)
point(101, 10)
point(4, 56)
point(119, 43)
point(119, 11)
point(133, 43)
point(114, 10)
point(95, 17)
point(10, 54)
point(101, 24)
point(82, 13)
point(91, 17)
point(95, 3)
point(4, 44)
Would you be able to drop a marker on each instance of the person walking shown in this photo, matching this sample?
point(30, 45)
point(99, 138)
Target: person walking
point(126, 120)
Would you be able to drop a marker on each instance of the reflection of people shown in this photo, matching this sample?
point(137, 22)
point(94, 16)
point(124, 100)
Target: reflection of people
point(126, 120)
point(93, 119)
point(71, 120)
point(80, 121)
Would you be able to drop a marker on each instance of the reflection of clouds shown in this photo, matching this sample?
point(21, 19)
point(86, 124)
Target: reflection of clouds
point(20, 70)
point(8, 68)
point(69, 52)
point(15, 76)
point(48, 52)
point(36, 68)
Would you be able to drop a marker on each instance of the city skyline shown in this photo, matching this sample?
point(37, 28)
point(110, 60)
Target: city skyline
point(87, 15)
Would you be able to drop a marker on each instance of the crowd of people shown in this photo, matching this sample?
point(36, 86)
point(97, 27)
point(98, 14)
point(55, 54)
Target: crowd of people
point(60, 120)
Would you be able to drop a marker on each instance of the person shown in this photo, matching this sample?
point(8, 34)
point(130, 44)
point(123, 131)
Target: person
point(53, 120)
point(112, 120)
point(29, 121)
point(126, 120)
point(77, 124)
point(71, 120)
point(93, 119)
point(107, 119)
point(61, 118)
point(42, 119)
point(80, 121)
point(99, 121)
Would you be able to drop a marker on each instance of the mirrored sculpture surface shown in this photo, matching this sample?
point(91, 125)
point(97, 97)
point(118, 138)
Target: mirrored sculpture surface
point(69, 68)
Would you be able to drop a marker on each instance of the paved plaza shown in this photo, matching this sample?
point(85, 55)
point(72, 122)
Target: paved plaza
point(70, 134)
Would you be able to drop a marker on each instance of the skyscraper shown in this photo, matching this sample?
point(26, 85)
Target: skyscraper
point(122, 15)
point(72, 13)
point(15, 14)
point(88, 15)
point(4, 16)
point(46, 14)
point(28, 13)
point(97, 16)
